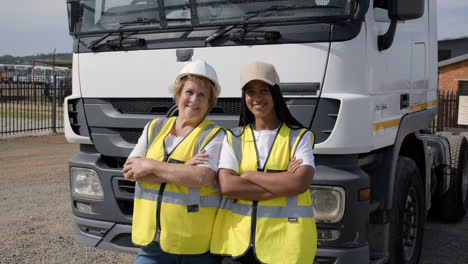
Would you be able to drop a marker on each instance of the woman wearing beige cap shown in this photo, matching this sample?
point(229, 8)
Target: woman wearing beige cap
point(265, 170)
point(175, 207)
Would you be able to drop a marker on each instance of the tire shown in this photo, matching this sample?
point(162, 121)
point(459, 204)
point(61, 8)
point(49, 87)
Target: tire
point(452, 206)
point(408, 214)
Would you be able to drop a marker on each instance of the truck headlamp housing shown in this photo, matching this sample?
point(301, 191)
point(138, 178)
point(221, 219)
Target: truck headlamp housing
point(328, 202)
point(85, 183)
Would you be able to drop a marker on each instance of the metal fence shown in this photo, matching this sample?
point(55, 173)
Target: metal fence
point(447, 116)
point(30, 104)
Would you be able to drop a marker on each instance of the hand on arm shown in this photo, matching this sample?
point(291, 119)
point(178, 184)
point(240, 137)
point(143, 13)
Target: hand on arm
point(137, 166)
point(140, 169)
point(186, 175)
point(200, 158)
point(294, 181)
point(294, 164)
point(232, 185)
point(149, 170)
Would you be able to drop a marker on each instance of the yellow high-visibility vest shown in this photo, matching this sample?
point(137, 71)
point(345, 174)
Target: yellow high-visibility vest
point(280, 230)
point(179, 218)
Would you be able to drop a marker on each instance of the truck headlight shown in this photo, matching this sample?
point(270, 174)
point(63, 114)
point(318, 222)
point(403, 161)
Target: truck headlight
point(328, 202)
point(86, 183)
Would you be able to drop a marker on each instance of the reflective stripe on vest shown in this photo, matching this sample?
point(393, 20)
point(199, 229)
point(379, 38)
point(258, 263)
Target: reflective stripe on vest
point(280, 230)
point(186, 215)
point(192, 198)
point(292, 210)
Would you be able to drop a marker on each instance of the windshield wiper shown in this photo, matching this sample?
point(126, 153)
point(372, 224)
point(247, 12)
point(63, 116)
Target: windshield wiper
point(140, 20)
point(119, 41)
point(216, 35)
point(244, 34)
point(95, 43)
point(124, 41)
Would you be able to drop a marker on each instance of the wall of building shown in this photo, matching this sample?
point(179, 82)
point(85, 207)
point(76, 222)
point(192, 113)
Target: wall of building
point(450, 74)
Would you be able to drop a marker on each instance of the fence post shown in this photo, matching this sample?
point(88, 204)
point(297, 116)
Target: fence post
point(54, 108)
point(440, 119)
point(457, 105)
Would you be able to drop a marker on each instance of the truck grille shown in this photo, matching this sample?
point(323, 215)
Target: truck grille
point(131, 135)
point(158, 106)
point(161, 106)
point(73, 115)
point(124, 191)
point(116, 124)
point(126, 188)
point(227, 106)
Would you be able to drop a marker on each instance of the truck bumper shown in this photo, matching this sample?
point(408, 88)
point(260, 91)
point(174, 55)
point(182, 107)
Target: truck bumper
point(104, 235)
point(117, 237)
point(342, 256)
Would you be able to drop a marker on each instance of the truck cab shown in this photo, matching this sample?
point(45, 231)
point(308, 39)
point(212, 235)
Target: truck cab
point(361, 74)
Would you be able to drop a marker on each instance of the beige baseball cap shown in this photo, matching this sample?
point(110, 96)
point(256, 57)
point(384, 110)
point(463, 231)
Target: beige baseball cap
point(259, 71)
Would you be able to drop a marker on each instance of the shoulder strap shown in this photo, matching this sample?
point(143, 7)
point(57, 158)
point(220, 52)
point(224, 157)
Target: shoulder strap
point(206, 136)
point(153, 130)
point(312, 139)
point(234, 139)
point(295, 136)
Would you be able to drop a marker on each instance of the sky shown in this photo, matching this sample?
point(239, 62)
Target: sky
point(30, 27)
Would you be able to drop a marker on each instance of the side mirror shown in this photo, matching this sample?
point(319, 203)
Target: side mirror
point(405, 9)
point(74, 14)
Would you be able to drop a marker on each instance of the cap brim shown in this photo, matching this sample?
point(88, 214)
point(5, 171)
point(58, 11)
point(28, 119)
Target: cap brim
point(258, 79)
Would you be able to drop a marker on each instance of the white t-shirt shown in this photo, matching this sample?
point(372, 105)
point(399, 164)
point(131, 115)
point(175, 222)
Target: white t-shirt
point(213, 148)
point(264, 141)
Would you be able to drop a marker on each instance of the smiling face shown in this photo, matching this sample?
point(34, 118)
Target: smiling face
point(193, 100)
point(259, 101)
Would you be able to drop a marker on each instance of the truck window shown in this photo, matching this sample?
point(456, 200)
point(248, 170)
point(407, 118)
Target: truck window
point(107, 15)
point(102, 15)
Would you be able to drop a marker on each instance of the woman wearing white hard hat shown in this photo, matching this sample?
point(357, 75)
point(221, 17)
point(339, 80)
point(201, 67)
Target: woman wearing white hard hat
point(265, 170)
point(174, 205)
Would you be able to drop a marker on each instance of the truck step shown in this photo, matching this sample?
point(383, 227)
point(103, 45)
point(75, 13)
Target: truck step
point(382, 260)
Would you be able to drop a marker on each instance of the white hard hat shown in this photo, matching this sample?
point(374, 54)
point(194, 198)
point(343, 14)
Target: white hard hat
point(203, 69)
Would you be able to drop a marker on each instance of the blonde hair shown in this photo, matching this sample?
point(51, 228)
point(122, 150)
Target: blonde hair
point(176, 89)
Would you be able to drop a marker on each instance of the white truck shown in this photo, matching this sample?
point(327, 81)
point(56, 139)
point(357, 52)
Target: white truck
point(361, 74)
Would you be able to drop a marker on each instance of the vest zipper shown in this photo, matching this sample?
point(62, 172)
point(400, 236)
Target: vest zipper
point(158, 211)
point(253, 224)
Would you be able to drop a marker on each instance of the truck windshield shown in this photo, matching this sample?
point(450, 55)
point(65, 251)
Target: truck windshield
point(110, 15)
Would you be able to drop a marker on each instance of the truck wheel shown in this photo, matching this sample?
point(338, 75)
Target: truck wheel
point(452, 206)
point(408, 214)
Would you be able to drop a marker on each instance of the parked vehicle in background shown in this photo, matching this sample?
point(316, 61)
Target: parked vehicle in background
point(25, 73)
point(361, 74)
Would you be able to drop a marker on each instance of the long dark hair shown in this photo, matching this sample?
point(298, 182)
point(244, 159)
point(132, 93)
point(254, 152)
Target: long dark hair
point(281, 110)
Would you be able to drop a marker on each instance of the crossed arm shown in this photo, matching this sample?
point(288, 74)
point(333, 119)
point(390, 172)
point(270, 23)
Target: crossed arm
point(259, 186)
point(142, 169)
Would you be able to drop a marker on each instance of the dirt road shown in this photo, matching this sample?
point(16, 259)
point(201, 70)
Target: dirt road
point(36, 218)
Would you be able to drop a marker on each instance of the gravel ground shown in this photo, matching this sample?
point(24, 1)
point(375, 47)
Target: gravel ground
point(445, 243)
point(36, 219)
